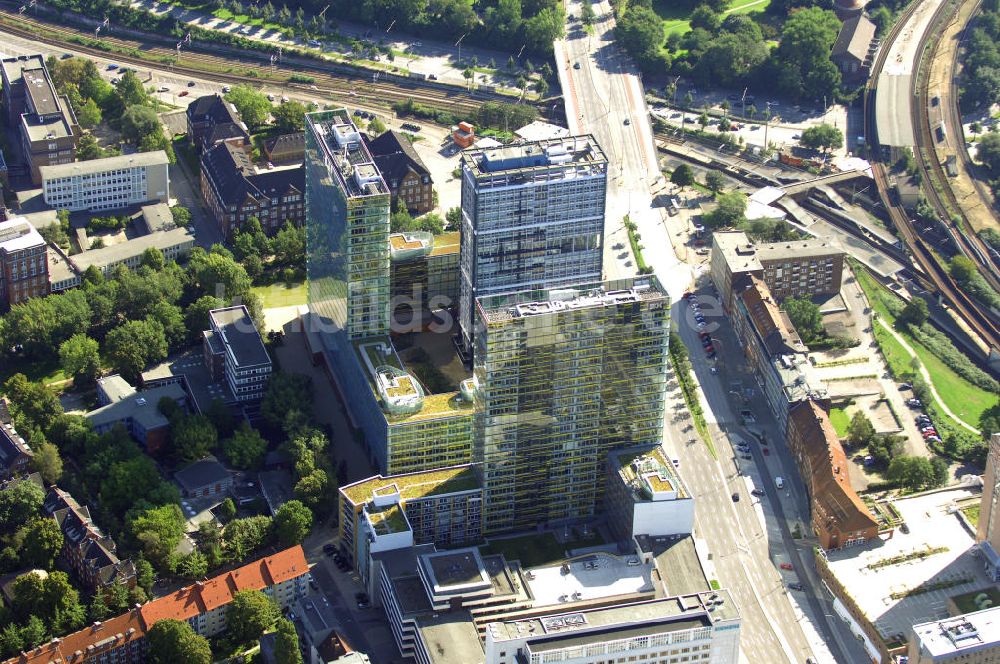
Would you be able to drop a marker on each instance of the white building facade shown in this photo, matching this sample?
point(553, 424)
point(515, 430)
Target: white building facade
point(107, 184)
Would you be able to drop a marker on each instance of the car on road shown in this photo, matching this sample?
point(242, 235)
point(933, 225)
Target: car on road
point(736, 497)
point(66, 56)
point(314, 585)
point(627, 122)
point(914, 403)
point(112, 67)
point(796, 137)
point(676, 462)
point(315, 42)
point(329, 548)
point(786, 566)
point(795, 586)
point(757, 492)
point(576, 65)
point(714, 370)
point(767, 452)
point(226, 89)
point(711, 355)
point(270, 97)
point(182, 93)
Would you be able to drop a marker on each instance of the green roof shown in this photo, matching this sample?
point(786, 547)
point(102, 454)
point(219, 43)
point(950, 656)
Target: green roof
point(413, 486)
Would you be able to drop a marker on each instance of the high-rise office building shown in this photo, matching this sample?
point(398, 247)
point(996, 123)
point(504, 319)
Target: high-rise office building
point(532, 217)
point(347, 211)
point(564, 376)
point(988, 530)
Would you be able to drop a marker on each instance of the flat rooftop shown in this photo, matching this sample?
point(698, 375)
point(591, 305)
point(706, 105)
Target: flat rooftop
point(39, 89)
point(737, 250)
point(240, 336)
point(570, 640)
point(413, 486)
point(12, 67)
point(18, 234)
point(447, 243)
point(350, 161)
point(141, 407)
point(703, 608)
point(797, 250)
point(677, 562)
point(388, 519)
point(451, 637)
point(799, 378)
point(189, 368)
point(907, 580)
point(965, 633)
point(565, 157)
point(95, 166)
point(113, 254)
point(502, 308)
point(455, 571)
point(592, 577)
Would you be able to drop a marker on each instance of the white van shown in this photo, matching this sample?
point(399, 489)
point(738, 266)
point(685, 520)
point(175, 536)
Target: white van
point(778, 482)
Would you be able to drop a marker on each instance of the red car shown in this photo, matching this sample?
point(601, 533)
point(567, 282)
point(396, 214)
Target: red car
point(787, 566)
point(767, 452)
point(182, 93)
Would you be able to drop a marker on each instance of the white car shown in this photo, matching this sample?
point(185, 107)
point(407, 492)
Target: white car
point(164, 88)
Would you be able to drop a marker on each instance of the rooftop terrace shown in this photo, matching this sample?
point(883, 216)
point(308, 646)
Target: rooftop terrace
point(499, 308)
point(346, 154)
point(387, 520)
point(648, 472)
point(414, 486)
point(557, 158)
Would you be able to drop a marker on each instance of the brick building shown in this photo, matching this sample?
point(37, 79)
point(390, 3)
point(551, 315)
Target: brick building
point(24, 264)
point(404, 172)
point(211, 119)
point(234, 190)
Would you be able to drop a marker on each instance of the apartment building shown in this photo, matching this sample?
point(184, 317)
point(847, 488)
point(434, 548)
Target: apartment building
point(532, 218)
point(839, 517)
point(442, 506)
point(988, 528)
point(563, 376)
point(281, 576)
point(86, 551)
point(24, 265)
point(107, 184)
point(246, 364)
point(348, 216)
point(234, 190)
point(776, 355)
point(798, 268)
point(409, 180)
point(15, 453)
point(47, 127)
point(972, 638)
point(122, 639)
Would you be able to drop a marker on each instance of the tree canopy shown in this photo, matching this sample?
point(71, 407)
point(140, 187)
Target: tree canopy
point(249, 614)
point(173, 641)
point(252, 104)
point(822, 137)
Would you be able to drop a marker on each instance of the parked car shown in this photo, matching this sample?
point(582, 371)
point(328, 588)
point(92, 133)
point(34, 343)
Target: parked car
point(182, 93)
point(330, 548)
point(112, 67)
point(576, 65)
point(905, 386)
point(315, 42)
point(736, 497)
point(786, 566)
point(226, 89)
point(795, 586)
point(757, 492)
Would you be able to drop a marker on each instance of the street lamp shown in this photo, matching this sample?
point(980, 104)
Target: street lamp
point(459, 45)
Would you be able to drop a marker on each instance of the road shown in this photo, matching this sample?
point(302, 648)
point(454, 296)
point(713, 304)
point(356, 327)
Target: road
point(604, 96)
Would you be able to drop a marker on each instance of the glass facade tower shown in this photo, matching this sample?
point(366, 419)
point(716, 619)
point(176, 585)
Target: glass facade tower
point(564, 376)
point(532, 217)
point(347, 212)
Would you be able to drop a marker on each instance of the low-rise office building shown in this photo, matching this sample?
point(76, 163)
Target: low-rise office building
point(442, 507)
point(797, 268)
point(45, 122)
point(645, 495)
point(972, 638)
point(24, 266)
point(109, 183)
point(839, 517)
point(235, 345)
point(234, 191)
point(136, 411)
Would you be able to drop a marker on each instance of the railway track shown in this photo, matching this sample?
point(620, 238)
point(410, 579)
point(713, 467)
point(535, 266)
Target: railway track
point(937, 278)
point(931, 169)
point(160, 55)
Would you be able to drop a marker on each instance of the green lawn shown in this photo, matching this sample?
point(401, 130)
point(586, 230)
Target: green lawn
point(282, 294)
point(972, 514)
point(537, 550)
point(675, 19)
point(963, 398)
point(839, 420)
point(44, 370)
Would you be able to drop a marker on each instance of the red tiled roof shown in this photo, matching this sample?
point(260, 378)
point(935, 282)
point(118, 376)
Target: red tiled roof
point(186, 603)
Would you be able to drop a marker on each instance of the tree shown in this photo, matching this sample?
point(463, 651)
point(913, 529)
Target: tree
point(963, 270)
point(134, 345)
point(640, 30)
point(241, 537)
point(192, 437)
point(245, 450)
point(158, 530)
point(196, 315)
point(715, 181)
point(130, 92)
point(704, 17)
point(286, 393)
point(89, 114)
point(286, 646)
point(805, 316)
point(145, 576)
point(730, 211)
point(941, 471)
point(249, 614)
point(172, 641)
point(171, 319)
point(703, 120)
point(193, 566)
point(227, 509)
point(989, 423)
point(43, 540)
point(33, 404)
point(313, 489)
point(800, 66)
point(290, 116)
point(47, 462)
point(454, 217)
point(80, 358)
point(376, 127)
point(292, 522)
point(988, 151)
point(914, 313)
point(139, 122)
point(911, 472)
point(822, 137)
point(860, 431)
point(219, 275)
point(682, 176)
point(252, 105)
point(19, 503)
point(33, 632)
point(181, 216)
point(127, 482)
point(26, 594)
